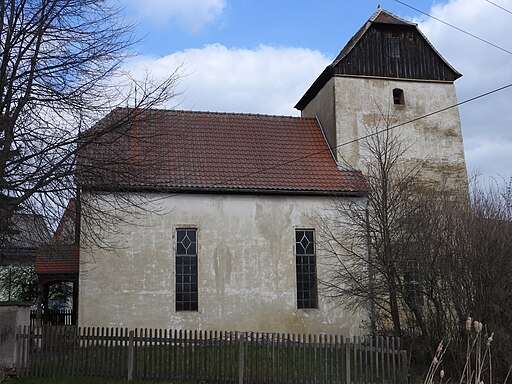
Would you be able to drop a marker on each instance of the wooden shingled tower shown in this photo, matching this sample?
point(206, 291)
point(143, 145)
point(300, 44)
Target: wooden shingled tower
point(388, 74)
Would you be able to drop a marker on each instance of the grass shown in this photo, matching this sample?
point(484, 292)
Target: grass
point(478, 367)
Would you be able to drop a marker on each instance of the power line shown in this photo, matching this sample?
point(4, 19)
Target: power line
point(455, 27)
point(499, 6)
point(427, 115)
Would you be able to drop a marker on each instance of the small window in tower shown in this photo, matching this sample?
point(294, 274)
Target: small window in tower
point(398, 96)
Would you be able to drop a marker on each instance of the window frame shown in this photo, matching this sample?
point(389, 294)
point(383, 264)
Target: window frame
point(394, 47)
point(186, 270)
point(306, 271)
point(413, 288)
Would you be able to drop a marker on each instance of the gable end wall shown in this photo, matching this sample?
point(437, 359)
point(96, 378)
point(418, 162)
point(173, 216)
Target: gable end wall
point(396, 52)
point(364, 105)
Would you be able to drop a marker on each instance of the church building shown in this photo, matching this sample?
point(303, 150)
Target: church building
point(230, 238)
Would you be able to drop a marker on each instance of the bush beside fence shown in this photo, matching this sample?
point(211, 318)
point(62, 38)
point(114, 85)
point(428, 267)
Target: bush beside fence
point(208, 356)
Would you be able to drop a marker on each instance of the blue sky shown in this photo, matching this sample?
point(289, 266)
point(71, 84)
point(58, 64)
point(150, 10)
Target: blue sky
point(260, 56)
point(325, 25)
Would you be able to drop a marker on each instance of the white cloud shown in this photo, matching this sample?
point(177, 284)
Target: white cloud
point(262, 80)
point(486, 122)
point(191, 15)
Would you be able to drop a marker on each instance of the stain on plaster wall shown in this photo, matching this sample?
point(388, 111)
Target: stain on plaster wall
point(270, 223)
point(222, 263)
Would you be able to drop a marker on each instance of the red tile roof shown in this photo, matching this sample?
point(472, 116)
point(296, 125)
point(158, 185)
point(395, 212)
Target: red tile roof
point(63, 259)
point(204, 151)
point(65, 232)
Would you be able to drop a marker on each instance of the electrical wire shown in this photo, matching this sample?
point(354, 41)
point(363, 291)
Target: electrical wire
point(260, 171)
point(455, 27)
point(428, 114)
point(499, 6)
point(382, 130)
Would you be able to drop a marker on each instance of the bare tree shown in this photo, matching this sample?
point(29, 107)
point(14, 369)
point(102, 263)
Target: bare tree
point(59, 72)
point(421, 260)
point(365, 261)
point(466, 245)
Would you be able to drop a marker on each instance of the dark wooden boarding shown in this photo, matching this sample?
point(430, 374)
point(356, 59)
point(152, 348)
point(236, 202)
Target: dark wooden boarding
point(389, 50)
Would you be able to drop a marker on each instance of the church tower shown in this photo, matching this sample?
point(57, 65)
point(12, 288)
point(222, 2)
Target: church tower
point(390, 75)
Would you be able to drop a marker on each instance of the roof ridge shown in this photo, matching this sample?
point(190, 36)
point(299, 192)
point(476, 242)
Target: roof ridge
point(205, 112)
point(359, 34)
point(225, 113)
point(382, 10)
point(374, 14)
point(381, 18)
point(196, 151)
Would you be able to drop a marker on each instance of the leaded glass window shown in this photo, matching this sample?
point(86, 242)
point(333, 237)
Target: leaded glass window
point(307, 296)
point(412, 282)
point(186, 270)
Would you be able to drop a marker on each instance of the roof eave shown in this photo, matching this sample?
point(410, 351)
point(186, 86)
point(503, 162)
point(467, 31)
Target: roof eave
point(224, 190)
point(456, 73)
point(313, 90)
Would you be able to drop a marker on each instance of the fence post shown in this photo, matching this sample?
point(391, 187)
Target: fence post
point(241, 359)
point(130, 354)
point(347, 360)
point(21, 351)
point(405, 368)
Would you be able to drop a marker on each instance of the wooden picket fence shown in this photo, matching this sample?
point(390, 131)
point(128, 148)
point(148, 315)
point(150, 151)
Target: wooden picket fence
point(61, 317)
point(208, 356)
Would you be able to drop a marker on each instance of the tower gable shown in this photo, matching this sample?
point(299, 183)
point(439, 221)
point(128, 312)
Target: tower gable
point(389, 47)
point(395, 51)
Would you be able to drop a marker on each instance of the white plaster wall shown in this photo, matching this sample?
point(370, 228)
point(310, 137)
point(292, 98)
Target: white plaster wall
point(246, 268)
point(323, 107)
point(366, 104)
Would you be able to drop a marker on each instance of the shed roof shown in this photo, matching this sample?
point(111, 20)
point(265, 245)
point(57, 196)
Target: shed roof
point(171, 150)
